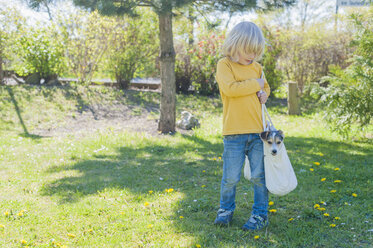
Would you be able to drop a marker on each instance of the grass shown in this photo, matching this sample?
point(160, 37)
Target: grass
point(127, 189)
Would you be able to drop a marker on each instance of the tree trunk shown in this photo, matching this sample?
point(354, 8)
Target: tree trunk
point(167, 61)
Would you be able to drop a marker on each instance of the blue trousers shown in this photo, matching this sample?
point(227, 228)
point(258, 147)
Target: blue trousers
point(235, 149)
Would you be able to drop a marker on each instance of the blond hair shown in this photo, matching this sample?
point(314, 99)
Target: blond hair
point(243, 39)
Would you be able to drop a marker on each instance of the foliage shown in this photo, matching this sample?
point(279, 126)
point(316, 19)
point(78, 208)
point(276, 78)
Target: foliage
point(349, 96)
point(40, 51)
point(87, 38)
point(196, 63)
point(134, 47)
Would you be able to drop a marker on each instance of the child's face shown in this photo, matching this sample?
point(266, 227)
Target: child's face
point(246, 59)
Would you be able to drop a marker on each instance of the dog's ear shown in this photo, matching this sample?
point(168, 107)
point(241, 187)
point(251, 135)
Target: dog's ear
point(264, 135)
point(281, 133)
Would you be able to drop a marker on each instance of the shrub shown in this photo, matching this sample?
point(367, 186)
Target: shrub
point(349, 95)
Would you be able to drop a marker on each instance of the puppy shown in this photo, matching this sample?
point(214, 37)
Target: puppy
point(272, 138)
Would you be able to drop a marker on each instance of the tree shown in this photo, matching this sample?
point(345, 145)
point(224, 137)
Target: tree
point(164, 10)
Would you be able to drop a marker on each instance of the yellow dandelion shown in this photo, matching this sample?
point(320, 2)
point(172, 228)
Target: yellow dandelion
point(354, 194)
point(146, 204)
point(20, 214)
point(90, 230)
point(337, 218)
point(337, 181)
point(323, 179)
point(169, 190)
point(316, 163)
point(2, 226)
point(271, 203)
point(6, 213)
point(150, 192)
point(337, 169)
point(198, 246)
point(203, 186)
point(333, 191)
point(320, 154)
point(203, 171)
point(181, 217)
point(150, 226)
point(23, 242)
point(273, 210)
point(322, 202)
point(321, 209)
point(219, 158)
point(291, 219)
point(214, 159)
point(71, 235)
point(256, 237)
point(316, 206)
point(332, 225)
point(311, 169)
point(326, 215)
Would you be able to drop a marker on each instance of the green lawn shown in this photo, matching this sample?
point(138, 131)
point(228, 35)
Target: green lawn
point(126, 189)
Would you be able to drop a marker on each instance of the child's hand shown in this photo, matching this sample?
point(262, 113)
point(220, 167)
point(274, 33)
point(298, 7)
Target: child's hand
point(262, 97)
point(261, 82)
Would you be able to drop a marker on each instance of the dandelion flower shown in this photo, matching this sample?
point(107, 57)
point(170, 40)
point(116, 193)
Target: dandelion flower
point(323, 179)
point(6, 213)
point(326, 215)
point(169, 190)
point(181, 217)
point(271, 203)
point(323, 203)
point(337, 169)
point(90, 230)
point(150, 192)
point(198, 246)
point(71, 235)
point(203, 171)
point(2, 226)
point(20, 214)
point(354, 194)
point(150, 226)
point(333, 191)
point(214, 159)
point(273, 210)
point(23, 242)
point(337, 181)
point(311, 169)
point(321, 209)
point(219, 158)
point(256, 237)
point(337, 218)
point(316, 163)
point(291, 219)
point(332, 225)
point(320, 154)
point(316, 206)
point(146, 204)
point(203, 186)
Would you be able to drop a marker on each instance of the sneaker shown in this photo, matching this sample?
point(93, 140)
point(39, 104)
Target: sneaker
point(224, 217)
point(256, 222)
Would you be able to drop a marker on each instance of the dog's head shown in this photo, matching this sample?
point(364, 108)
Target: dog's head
point(272, 139)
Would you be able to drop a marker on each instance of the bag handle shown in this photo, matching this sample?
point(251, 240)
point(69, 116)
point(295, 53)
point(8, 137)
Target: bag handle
point(265, 112)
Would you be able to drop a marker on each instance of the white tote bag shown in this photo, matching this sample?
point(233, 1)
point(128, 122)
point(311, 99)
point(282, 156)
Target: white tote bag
point(279, 173)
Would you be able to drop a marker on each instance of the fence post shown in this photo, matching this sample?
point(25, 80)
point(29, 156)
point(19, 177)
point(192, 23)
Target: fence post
point(293, 99)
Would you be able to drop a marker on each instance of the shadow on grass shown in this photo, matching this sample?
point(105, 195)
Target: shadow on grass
point(139, 170)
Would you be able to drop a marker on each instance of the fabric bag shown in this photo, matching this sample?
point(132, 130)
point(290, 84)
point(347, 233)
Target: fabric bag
point(279, 173)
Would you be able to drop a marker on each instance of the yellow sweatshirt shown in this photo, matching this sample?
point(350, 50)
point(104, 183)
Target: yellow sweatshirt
point(242, 112)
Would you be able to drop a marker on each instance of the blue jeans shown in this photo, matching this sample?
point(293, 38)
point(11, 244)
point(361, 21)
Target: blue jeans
point(235, 148)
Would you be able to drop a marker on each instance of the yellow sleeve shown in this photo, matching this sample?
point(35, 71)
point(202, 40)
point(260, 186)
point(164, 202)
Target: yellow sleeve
point(230, 87)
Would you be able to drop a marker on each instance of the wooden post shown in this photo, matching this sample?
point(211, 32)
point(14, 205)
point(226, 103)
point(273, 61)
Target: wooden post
point(293, 99)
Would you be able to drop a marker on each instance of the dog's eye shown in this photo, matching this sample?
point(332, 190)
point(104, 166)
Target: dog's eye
point(278, 142)
point(270, 142)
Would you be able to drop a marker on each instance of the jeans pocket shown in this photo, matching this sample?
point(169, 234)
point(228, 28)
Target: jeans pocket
point(232, 137)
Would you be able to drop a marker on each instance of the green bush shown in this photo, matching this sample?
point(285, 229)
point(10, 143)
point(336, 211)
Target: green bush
point(196, 63)
point(349, 95)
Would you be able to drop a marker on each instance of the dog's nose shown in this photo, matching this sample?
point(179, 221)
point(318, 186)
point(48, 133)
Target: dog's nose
point(274, 152)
